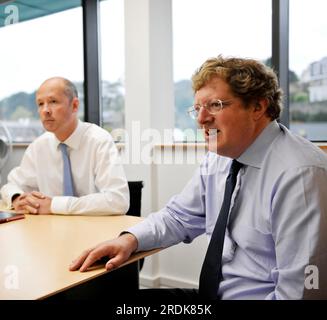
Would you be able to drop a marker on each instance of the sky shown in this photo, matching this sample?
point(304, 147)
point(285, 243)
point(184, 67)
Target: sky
point(53, 45)
point(43, 47)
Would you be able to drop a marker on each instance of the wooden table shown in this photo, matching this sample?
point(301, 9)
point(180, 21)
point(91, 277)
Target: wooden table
point(35, 252)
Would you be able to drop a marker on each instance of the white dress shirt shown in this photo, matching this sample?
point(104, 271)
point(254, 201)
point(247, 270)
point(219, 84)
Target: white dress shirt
point(99, 179)
point(278, 217)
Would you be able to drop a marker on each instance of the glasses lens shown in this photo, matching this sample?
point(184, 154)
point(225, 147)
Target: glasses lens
point(192, 113)
point(215, 106)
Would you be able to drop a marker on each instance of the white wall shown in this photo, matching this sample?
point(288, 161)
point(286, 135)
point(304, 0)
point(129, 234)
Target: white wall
point(180, 265)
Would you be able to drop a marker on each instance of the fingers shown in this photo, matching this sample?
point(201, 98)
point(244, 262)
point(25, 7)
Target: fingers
point(118, 250)
point(21, 207)
point(93, 256)
point(30, 209)
point(38, 194)
point(45, 206)
point(90, 256)
point(115, 262)
point(28, 204)
point(32, 202)
point(77, 263)
point(23, 195)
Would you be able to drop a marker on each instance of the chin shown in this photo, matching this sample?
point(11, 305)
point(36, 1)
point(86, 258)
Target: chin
point(48, 128)
point(218, 149)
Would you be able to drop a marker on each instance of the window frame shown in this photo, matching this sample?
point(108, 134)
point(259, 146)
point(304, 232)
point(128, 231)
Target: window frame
point(92, 73)
point(280, 51)
point(92, 57)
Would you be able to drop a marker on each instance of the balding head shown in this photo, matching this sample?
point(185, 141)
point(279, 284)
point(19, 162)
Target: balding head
point(68, 87)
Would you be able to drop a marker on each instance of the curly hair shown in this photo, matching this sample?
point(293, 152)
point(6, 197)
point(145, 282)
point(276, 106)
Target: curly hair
point(248, 79)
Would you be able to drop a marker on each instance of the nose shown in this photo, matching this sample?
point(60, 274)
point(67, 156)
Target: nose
point(45, 108)
point(204, 116)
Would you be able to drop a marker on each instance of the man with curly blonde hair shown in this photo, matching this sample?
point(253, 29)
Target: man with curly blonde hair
point(260, 196)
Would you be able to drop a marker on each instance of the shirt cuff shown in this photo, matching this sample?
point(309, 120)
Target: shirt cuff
point(59, 205)
point(9, 197)
point(13, 197)
point(144, 238)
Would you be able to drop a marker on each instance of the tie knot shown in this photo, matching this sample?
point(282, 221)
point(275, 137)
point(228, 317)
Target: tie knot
point(63, 147)
point(235, 167)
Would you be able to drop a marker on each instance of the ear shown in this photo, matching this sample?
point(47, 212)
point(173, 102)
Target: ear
point(75, 104)
point(260, 108)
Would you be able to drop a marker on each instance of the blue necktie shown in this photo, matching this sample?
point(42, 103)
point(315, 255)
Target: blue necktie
point(211, 275)
point(68, 187)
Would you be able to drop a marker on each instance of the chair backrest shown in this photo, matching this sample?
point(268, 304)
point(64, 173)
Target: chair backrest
point(135, 193)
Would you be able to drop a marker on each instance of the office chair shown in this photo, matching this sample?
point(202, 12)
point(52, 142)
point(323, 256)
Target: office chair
point(135, 192)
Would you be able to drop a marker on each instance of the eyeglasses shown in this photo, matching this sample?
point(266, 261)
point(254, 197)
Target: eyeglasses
point(212, 107)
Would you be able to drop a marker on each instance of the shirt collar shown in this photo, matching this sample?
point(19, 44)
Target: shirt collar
point(74, 140)
point(256, 152)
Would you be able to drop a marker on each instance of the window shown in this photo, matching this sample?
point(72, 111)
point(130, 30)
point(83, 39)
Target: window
point(32, 51)
point(308, 69)
point(206, 28)
point(112, 63)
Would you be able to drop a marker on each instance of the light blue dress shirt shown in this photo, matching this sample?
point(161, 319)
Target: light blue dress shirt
point(277, 218)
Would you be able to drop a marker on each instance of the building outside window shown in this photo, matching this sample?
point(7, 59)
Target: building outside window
point(308, 69)
point(45, 40)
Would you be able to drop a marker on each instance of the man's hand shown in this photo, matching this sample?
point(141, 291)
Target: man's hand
point(117, 250)
point(32, 202)
point(44, 205)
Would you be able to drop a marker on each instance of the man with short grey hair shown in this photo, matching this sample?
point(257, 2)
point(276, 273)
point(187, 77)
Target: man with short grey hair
point(73, 168)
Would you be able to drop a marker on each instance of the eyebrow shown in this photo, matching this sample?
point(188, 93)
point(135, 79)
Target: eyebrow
point(215, 99)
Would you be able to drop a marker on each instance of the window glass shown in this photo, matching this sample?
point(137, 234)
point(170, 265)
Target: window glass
point(207, 28)
point(31, 52)
point(308, 69)
point(113, 66)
